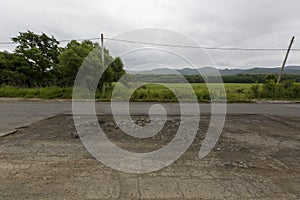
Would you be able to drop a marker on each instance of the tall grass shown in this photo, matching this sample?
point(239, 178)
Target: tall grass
point(44, 93)
point(284, 91)
point(157, 92)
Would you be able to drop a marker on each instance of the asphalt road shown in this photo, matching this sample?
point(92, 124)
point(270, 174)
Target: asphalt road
point(14, 115)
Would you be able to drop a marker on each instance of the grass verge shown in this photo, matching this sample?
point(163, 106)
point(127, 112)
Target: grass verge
point(235, 92)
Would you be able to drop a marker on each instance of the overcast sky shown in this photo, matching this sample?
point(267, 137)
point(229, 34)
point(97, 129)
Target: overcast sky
point(222, 23)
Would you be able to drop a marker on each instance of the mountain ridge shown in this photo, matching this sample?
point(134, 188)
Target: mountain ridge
point(210, 71)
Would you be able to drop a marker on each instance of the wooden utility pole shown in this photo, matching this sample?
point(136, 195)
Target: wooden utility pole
point(103, 61)
point(285, 59)
point(102, 48)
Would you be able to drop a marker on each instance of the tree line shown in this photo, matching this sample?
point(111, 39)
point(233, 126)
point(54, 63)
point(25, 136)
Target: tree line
point(239, 78)
point(39, 61)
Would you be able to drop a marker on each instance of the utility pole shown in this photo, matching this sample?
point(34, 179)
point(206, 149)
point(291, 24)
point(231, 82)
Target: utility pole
point(285, 59)
point(103, 61)
point(102, 48)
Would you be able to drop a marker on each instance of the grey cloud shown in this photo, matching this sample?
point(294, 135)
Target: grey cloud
point(239, 23)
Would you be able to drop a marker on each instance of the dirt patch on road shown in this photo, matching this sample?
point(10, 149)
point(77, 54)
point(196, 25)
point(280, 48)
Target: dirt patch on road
point(256, 157)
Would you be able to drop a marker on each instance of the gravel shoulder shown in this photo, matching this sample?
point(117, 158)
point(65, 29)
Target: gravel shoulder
point(257, 156)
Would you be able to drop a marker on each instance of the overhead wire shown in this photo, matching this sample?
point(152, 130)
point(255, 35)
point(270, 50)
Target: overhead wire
point(172, 45)
point(201, 47)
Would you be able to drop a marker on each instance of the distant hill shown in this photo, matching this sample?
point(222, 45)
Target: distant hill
point(287, 70)
point(230, 72)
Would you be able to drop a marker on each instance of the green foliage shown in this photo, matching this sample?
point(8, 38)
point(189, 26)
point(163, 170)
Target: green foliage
point(116, 70)
point(156, 92)
point(16, 71)
point(270, 78)
point(38, 61)
point(71, 59)
point(40, 68)
point(254, 91)
point(41, 52)
point(113, 72)
point(44, 93)
point(240, 78)
point(286, 90)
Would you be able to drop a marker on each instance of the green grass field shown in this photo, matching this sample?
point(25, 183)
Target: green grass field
point(235, 92)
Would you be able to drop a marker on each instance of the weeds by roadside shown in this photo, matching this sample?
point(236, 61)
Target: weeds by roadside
point(235, 92)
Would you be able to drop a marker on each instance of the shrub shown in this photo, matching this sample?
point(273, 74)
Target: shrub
point(254, 91)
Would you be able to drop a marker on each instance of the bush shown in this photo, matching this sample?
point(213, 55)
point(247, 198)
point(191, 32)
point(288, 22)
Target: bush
point(270, 90)
point(255, 91)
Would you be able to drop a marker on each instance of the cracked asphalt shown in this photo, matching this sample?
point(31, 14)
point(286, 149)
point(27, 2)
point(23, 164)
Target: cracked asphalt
point(256, 157)
point(16, 113)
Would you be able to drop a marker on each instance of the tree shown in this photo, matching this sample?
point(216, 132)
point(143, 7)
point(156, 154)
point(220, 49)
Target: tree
point(270, 78)
point(118, 69)
point(38, 61)
point(113, 72)
point(41, 51)
point(88, 54)
point(16, 71)
point(71, 59)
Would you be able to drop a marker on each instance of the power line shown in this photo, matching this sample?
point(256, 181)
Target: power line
point(200, 47)
point(171, 45)
point(60, 41)
point(82, 39)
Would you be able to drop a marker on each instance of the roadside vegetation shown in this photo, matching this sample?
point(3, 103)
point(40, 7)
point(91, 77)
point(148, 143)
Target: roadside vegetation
point(287, 90)
point(239, 78)
point(40, 68)
point(43, 93)
point(39, 62)
point(235, 92)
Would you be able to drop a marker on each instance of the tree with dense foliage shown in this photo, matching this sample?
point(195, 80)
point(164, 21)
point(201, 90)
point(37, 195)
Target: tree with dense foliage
point(41, 51)
point(70, 61)
point(16, 71)
point(75, 54)
point(38, 61)
point(114, 71)
point(270, 78)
